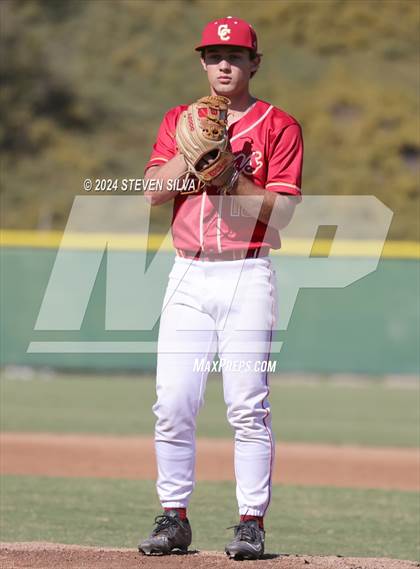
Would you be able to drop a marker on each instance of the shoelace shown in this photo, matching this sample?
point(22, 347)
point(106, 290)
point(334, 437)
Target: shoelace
point(245, 532)
point(165, 522)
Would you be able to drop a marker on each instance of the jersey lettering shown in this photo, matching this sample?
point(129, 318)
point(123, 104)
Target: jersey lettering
point(256, 158)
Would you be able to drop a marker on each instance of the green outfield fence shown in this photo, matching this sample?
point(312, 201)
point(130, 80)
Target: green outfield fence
point(371, 326)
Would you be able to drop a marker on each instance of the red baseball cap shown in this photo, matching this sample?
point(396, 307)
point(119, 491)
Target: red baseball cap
point(229, 31)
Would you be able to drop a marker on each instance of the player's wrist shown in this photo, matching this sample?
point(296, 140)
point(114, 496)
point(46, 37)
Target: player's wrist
point(229, 185)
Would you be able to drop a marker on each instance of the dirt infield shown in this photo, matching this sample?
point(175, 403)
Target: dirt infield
point(45, 555)
point(133, 458)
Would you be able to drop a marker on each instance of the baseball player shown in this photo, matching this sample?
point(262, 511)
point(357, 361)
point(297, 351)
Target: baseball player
point(237, 161)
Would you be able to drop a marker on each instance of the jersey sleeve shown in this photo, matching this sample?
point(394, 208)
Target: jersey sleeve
point(285, 164)
point(165, 146)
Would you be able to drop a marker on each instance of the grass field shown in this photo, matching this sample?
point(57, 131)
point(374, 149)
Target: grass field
point(370, 413)
point(301, 520)
point(309, 520)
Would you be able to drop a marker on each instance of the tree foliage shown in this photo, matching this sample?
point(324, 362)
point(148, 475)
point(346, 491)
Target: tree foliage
point(86, 82)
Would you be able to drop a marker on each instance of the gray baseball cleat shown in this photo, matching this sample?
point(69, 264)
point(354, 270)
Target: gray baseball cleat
point(171, 535)
point(248, 542)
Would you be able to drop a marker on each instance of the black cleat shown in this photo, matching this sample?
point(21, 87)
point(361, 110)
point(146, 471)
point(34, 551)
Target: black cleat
point(248, 542)
point(171, 535)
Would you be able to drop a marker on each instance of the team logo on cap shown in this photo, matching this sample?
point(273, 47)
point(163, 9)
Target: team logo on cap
point(223, 31)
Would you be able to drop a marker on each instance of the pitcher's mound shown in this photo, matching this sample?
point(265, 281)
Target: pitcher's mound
point(36, 555)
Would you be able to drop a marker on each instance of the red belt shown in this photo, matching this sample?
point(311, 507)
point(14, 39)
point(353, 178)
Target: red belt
point(231, 255)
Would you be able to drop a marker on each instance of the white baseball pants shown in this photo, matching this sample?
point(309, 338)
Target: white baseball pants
point(229, 307)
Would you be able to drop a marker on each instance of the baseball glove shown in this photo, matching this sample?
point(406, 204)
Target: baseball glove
point(202, 138)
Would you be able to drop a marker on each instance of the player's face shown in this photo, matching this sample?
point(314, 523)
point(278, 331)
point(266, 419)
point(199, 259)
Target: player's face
point(228, 68)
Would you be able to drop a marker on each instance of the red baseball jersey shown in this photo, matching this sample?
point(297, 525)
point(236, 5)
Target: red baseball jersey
point(268, 146)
